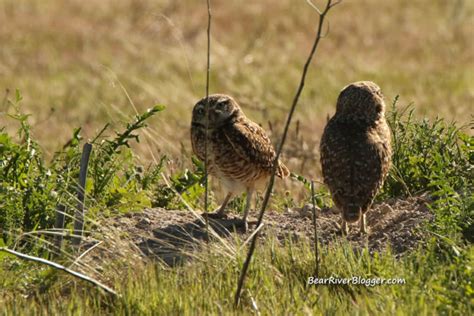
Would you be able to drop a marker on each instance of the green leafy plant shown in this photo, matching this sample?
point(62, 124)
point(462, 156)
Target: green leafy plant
point(189, 184)
point(110, 155)
point(322, 197)
point(27, 198)
point(434, 157)
point(31, 188)
point(427, 155)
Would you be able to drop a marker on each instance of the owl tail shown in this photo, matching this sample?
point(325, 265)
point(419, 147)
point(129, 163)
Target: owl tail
point(282, 170)
point(351, 213)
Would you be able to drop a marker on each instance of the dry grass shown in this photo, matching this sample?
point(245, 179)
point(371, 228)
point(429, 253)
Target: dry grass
point(76, 61)
point(172, 235)
point(85, 63)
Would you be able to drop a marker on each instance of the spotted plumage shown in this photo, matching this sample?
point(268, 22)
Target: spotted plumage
point(356, 151)
point(239, 153)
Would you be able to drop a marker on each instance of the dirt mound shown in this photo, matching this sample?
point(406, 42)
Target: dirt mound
point(393, 223)
point(169, 234)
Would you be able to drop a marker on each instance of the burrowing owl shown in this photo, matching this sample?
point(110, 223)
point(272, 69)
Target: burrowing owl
point(239, 153)
point(355, 151)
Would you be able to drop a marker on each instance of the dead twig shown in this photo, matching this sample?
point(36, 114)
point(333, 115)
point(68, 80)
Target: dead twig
point(60, 267)
point(206, 138)
point(59, 225)
point(316, 250)
point(85, 253)
point(322, 15)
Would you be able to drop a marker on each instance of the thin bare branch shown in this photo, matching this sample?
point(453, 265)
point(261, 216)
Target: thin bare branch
point(314, 6)
point(335, 3)
point(316, 250)
point(209, 16)
point(60, 267)
point(206, 139)
point(178, 36)
point(327, 30)
point(85, 253)
point(59, 224)
point(268, 192)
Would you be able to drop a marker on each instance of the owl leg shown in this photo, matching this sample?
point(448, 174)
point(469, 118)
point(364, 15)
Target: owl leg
point(363, 224)
point(247, 207)
point(344, 227)
point(220, 212)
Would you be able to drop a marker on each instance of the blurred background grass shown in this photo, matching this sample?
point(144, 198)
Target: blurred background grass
point(85, 63)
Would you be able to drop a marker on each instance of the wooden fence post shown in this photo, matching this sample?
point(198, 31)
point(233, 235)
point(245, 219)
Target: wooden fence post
point(79, 212)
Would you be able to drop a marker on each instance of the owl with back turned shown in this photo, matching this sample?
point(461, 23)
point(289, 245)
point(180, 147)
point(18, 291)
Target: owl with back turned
point(356, 151)
point(239, 153)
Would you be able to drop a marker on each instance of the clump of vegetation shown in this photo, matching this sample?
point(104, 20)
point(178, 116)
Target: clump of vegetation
point(277, 284)
point(429, 157)
point(28, 186)
point(185, 187)
point(435, 157)
point(32, 188)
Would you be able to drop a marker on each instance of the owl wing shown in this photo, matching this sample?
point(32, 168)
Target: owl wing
point(353, 165)
point(335, 159)
point(250, 142)
point(197, 140)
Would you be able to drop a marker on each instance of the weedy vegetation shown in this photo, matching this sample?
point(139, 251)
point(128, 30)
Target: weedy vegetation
point(438, 275)
point(141, 157)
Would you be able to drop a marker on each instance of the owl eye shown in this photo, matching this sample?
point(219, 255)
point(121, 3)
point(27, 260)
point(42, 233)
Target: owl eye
point(223, 103)
point(200, 111)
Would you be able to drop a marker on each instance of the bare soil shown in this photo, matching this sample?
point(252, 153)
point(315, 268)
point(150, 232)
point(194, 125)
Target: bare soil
point(169, 235)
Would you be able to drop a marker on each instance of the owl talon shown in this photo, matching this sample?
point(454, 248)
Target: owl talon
point(215, 215)
point(363, 225)
point(364, 232)
point(245, 226)
point(344, 228)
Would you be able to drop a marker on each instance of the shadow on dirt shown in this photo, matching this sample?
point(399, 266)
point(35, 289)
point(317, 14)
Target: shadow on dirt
point(172, 236)
point(174, 243)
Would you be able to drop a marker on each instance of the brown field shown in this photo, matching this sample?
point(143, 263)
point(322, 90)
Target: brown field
point(85, 63)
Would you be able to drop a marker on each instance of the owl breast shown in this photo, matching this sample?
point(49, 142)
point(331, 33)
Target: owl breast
point(235, 172)
point(239, 154)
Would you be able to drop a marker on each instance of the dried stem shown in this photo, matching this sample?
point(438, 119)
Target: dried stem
point(319, 35)
point(316, 250)
point(59, 267)
point(206, 139)
point(59, 224)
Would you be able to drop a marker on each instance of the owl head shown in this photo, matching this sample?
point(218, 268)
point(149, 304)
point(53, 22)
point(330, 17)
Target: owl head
point(361, 101)
point(222, 110)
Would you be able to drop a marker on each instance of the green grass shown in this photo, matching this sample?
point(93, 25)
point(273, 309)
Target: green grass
point(83, 67)
point(434, 157)
point(437, 281)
